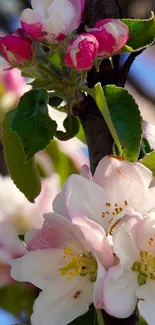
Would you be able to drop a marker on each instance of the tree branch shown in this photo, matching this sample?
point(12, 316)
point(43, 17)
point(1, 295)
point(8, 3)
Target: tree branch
point(98, 137)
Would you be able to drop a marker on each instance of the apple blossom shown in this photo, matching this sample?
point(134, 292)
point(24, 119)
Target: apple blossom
point(16, 48)
point(112, 35)
point(81, 52)
point(12, 86)
point(10, 247)
point(68, 262)
point(132, 281)
point(52, 19)
point(117, 184)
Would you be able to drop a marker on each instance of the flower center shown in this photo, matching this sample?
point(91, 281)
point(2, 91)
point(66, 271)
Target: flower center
point(83, 264)
point(145, 267)
point(112, 211)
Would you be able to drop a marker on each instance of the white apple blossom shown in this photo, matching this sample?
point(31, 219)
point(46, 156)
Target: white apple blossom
point(132, 281)
point(52, 19)
point(117, 184)
point(68, 262)
point(10, 247)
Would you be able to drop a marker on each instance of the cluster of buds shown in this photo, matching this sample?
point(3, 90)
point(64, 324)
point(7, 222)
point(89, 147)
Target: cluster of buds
point(52, 21)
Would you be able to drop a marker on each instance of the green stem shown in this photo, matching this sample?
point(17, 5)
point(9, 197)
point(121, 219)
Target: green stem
point(99, 317)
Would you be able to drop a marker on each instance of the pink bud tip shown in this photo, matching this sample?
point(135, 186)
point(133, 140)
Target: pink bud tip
point(81, 52)
point(16, 48)
point(112, 35)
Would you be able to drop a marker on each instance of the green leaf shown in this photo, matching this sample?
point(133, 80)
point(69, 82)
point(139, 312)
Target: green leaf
point(142, 33)
point(24, 175)
point(144, 148)
point(149, 161)
point(87, 319)
point(126, 119)
point(71, 125)
point(55, 101)
point(123, 118)
point(141, 321)
point(32, 122)
point(102, 105)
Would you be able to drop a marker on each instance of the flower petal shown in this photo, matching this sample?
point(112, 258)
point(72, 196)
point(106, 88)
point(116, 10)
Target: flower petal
point(125, 182)
point(58, 205)
point(119, 292)
point(124, 238)
point(96, 240)
point(31, 23)
point(85, 172)
point(56, 232)
point(63, 301)
point(37, 267)
point(146, 294)
point(98, 298)
point(147, 202)
point(83, 197)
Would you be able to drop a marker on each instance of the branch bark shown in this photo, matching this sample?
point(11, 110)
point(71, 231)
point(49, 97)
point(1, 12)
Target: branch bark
point(98, 137)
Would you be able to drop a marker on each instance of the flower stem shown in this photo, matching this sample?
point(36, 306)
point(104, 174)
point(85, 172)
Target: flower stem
point(99, 317)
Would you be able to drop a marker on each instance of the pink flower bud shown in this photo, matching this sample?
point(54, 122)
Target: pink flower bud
point(52, 19)
point(112, 35)
point(81, 52)
point(16, 48)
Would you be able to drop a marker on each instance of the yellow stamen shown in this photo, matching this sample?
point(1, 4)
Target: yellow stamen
point(79, 264)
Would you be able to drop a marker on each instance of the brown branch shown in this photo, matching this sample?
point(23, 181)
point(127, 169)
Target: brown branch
point(98, 137)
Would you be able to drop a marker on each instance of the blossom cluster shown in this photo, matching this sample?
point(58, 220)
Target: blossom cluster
point(55, 21)
point(97, 246)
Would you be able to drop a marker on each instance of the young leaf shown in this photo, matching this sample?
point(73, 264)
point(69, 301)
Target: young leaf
point(24, 175)
point(102, 105)
point(149, 161)
point(71, 124)
point(32, 122)
point(142, 33)
point(126, 119)
point(122, 116)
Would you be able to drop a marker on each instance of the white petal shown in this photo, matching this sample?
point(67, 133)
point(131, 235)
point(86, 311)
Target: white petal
point(123, 181)
point(98, 298)
point(147, 202)
point(37, 267)
point(58, 205)
point(63, 301)
point(83, 197)
point(85, 172)
point(146, 294)
point(119, 292)
point(124, 238)
point(95, 240)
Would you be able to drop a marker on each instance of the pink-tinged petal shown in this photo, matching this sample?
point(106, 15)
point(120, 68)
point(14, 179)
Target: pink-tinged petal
point(147, 202)
point(85, 172)
point(119, 291)
point(31, 23)
point(124, 236)
point(83, 197)
point(146, 296)
point(38, 267)
point(62, 301)
point(149, 133)
point(81, 52)
point(146, 234)
point(58, 205)
point(56, 232)
point(79, 6)
point(98, 298)
point(112, 35)
point(124, 182)
point(96, 240)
